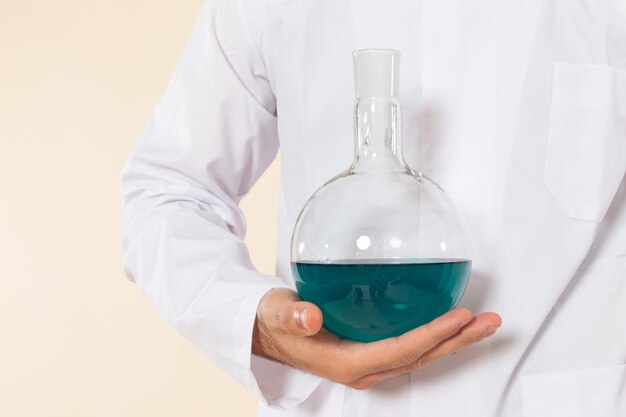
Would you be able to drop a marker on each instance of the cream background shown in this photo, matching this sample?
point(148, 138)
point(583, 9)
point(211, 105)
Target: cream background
point(78, 79)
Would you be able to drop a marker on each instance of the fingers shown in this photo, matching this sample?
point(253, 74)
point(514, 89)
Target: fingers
point(479, 328)
point(482, 326)
point(403, 350)
point(280, 309)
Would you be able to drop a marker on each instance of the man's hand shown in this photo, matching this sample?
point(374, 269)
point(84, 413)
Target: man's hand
point(290, 331)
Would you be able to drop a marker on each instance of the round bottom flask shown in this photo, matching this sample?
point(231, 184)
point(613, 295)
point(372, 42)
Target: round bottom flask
point(379, 248)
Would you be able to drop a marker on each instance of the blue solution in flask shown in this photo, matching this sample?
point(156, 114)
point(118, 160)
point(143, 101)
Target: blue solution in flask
point(369, 300)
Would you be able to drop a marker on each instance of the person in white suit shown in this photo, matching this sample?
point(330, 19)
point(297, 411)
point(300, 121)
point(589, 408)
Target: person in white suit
point(520, 112)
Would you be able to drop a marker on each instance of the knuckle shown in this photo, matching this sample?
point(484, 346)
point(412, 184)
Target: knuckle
point(422, 361)
point(277, 317)
point(406, 354)
point(407, 359)
point(429, 330)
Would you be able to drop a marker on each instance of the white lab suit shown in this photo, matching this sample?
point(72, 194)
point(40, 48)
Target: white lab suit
point(519, 108)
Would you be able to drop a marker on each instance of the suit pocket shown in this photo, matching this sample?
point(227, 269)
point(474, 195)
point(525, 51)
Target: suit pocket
point(599, 392)
point(586, 152)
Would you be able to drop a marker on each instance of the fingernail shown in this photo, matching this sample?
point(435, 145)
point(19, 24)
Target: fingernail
point(301, 318)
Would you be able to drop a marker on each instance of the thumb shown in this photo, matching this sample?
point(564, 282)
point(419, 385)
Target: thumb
point(300, 318)
point(281, 309)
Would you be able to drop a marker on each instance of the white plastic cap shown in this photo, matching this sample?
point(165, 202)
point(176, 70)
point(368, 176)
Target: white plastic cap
point(376, 72)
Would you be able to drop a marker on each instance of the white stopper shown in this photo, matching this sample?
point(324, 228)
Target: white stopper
point(376, 72)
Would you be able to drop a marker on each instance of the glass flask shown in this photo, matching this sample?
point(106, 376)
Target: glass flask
point(380, 248)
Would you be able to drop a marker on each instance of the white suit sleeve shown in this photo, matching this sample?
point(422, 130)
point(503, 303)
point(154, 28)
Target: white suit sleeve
point(211, 136)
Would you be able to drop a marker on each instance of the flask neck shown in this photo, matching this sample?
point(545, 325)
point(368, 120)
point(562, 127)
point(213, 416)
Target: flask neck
point(378, 144)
